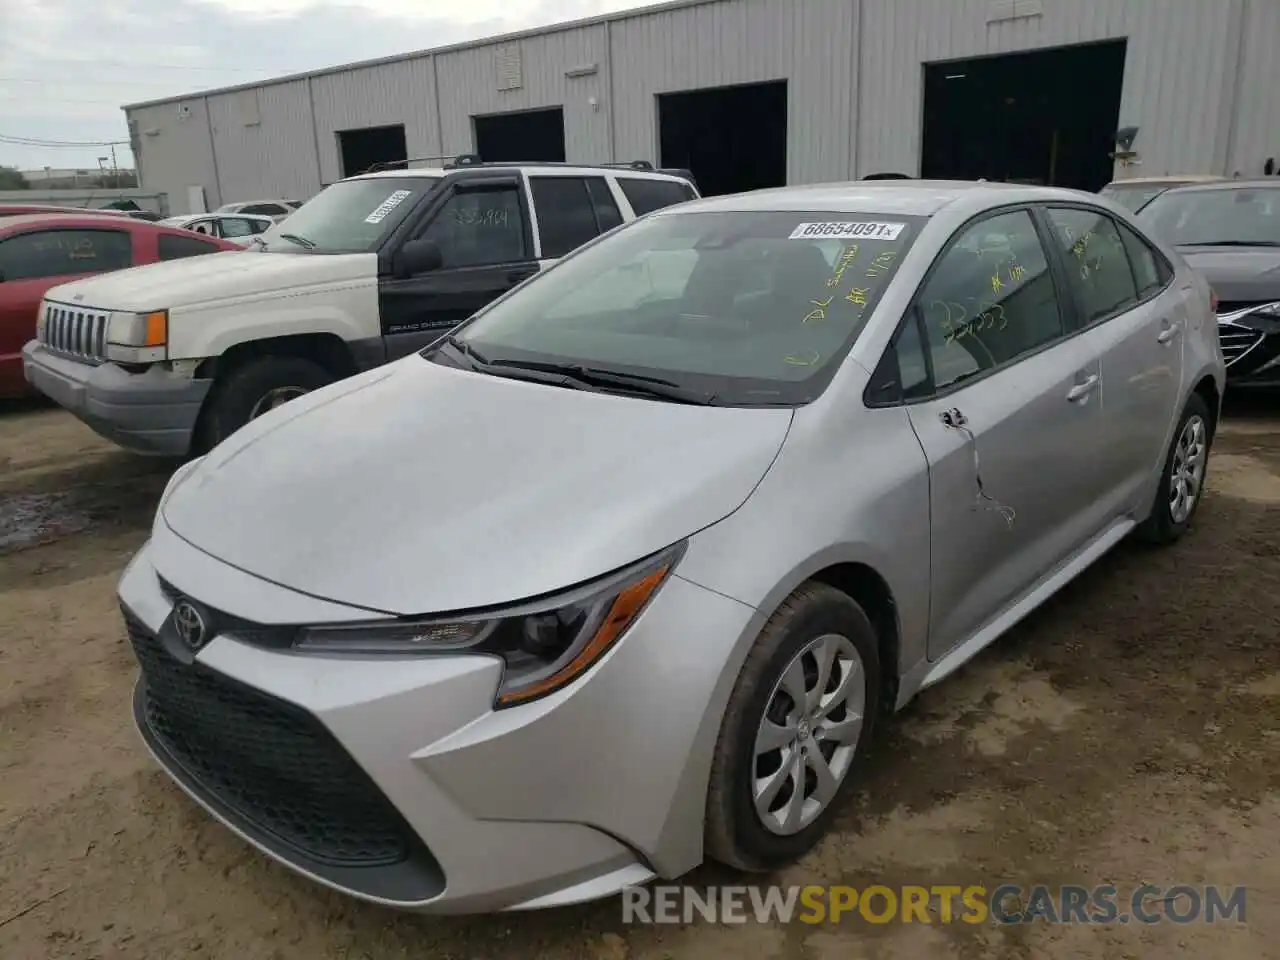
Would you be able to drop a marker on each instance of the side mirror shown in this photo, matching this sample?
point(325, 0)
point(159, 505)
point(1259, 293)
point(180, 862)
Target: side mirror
point(418, 256)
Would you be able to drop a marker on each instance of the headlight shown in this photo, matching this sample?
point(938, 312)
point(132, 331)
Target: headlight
point(544, 646)
point(138, 337)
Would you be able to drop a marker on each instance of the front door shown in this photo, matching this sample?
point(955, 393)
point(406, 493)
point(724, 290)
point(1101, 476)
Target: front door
point(1135, 323)
point(482, 230)
point(1009, 429)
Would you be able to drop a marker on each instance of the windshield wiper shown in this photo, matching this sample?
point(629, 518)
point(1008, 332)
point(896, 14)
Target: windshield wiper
point(654, 387)
point(1229, 243)
point(300, 241)
point(475, 360)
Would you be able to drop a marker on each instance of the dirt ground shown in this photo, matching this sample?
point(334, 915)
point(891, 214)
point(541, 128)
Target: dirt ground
point(1127, 733)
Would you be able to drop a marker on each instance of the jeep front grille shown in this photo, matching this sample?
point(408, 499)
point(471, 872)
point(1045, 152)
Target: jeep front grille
point(75, 332)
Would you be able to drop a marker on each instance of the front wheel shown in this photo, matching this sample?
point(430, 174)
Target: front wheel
point(1182, 481)
point(254, 388)
point(796, 726)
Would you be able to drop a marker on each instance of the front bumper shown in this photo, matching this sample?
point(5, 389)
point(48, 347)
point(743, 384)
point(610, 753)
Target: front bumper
point(395, 781)
point(152, 413)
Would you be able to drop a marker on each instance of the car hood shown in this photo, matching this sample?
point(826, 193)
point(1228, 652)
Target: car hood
point(212, 276)
point(418, 488)
point(1237, 273)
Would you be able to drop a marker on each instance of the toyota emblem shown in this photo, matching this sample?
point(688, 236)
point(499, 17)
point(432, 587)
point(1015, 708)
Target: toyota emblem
point(189, 624)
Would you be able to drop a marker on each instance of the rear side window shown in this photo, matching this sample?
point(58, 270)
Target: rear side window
point(989, 300)
point(238, 227)
point(176, 247)
point(1097, 262)
point(1151, 272)
point(59, 253)
point(645, 196)
point(571, 211)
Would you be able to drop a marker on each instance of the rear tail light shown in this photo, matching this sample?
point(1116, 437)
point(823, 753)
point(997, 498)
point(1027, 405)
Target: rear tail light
point(1213, 301)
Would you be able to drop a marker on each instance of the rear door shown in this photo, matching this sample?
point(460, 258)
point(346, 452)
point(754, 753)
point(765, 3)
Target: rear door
point(1008, 428)
point(33, 261)
point(1133, 321)
point(481, 226)
point(570, 211)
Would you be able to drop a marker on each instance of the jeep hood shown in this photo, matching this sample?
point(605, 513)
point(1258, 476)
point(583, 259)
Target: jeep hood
point(213, 276)
point(417, 488)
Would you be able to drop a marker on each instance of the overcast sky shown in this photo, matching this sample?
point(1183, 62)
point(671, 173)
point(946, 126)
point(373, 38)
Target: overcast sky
point(65, 71)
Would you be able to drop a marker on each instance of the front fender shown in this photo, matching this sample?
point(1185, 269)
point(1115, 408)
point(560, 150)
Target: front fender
point(346, 309)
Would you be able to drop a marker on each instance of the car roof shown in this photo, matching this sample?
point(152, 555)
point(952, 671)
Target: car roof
point(63, 219)
point(1168, 178)
point(554, 169)
point(1263, 183)
point(33, 208)
point(920, 198)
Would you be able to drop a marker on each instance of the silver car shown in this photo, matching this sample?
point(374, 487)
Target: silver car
point(620, 574)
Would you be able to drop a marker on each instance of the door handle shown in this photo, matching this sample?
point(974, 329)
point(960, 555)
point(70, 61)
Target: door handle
point(1167, 332)
point(1083, 388)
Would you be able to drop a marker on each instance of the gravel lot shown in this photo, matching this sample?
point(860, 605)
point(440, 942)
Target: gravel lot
point(1128, 733)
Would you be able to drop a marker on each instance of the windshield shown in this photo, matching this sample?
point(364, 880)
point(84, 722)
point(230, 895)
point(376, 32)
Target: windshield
point(752, 308)
point(1243, 216)
point(350, 216)
point(1134, 197)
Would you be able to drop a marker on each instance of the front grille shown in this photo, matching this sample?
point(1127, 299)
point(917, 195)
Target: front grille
point(266, 761)
point(1231, 306)
point(75, 332)
point(1237, 341)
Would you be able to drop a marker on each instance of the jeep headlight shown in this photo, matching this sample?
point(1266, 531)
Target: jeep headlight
point(138, 337)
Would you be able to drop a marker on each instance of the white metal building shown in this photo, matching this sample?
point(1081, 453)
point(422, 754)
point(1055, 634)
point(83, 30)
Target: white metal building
point(1199, 80)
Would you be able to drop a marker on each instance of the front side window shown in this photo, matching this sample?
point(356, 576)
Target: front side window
point(480, 227)
point(351, 216)
point(59, 253)
point(645, 196)
point(1097, 262)
point(1216, 217)
point(754, 308)
point(989, 300)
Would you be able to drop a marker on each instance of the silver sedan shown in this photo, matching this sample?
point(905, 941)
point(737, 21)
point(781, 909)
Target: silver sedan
point(620, 574)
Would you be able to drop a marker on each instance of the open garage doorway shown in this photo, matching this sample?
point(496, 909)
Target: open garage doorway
point(732, 139)
point(527, 135)
point(1043, 117)
point(362, 149)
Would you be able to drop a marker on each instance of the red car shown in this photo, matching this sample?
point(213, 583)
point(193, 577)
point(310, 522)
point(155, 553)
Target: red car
point(40, 251)
point(22, 209)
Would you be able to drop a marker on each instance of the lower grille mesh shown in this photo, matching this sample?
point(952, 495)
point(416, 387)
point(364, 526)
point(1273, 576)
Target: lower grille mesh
point(268, 761)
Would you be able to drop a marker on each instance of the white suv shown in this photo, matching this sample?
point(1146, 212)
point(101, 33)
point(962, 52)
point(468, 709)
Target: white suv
point(171, 358)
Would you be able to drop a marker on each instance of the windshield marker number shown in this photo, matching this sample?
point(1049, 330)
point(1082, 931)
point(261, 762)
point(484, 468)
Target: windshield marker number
point(386, 206)
point(848, 230)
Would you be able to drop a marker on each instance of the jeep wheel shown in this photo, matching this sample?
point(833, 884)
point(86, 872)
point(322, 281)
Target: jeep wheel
point(253, 389)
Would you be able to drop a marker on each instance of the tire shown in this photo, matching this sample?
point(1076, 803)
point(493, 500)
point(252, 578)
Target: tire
point(736, 834)
point(239, 396)
point(1166, 523)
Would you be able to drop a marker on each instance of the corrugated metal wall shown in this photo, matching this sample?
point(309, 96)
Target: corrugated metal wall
point(1199, 82)
point(810, 44)
point(1177, 79)
point(1256, 133)
point(403, 92)
point(470, 85)
point(253, 131)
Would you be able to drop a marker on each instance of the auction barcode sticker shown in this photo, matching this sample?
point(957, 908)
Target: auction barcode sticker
point(386, 206)
point(848, 230)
